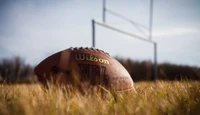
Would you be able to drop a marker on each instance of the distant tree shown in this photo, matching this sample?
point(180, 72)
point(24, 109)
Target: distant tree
point(143, 70)
point(14, 70)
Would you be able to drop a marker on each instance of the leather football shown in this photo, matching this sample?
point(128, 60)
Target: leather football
point(74, 66)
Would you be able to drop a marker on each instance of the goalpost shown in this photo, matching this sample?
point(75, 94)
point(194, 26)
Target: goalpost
point(137, 26)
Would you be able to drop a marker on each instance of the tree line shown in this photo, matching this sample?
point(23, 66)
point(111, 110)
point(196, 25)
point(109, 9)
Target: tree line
point(15, 70)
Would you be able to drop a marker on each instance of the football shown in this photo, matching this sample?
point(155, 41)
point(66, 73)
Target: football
point(74, 66)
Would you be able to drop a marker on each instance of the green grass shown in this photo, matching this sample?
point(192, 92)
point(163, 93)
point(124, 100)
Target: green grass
point(148, 98)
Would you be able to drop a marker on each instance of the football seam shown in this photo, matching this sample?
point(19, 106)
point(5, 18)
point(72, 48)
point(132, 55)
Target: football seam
point(88, 49)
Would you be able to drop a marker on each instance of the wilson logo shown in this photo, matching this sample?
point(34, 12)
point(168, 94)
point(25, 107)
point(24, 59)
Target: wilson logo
point(90, 57)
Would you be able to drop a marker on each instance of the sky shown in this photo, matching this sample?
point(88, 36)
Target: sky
point(36, 29)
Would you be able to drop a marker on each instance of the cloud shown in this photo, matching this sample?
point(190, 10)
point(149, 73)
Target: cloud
point(167, 32)
point(35, 30)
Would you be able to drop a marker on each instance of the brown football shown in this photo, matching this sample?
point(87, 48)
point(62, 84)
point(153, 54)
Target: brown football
point(78, 65)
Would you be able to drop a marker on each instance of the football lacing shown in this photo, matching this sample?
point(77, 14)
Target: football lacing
point(87, 48)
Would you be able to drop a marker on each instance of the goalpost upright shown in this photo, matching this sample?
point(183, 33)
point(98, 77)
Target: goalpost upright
point(149, 40)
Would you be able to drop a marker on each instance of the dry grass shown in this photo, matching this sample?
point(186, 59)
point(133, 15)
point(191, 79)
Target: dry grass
point(178, 97)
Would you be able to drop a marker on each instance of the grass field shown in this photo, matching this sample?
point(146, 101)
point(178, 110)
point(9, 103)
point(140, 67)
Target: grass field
point(148, 98)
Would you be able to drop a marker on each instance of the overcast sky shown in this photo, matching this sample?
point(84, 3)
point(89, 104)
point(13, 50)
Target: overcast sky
point(35, 29)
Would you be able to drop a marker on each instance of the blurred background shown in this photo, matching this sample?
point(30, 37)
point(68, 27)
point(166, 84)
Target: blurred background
point(31, 30)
